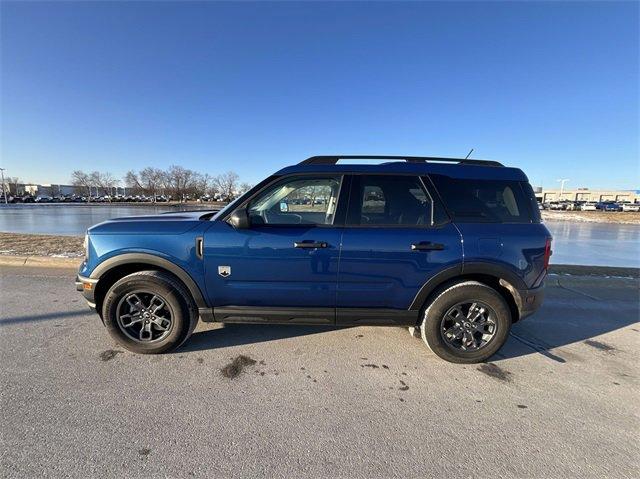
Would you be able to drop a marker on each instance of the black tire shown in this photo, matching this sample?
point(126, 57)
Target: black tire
point(183, 312)
point(449, 297)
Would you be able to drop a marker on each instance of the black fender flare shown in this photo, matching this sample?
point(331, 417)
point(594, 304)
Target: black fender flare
point(507, 278)
point(146, 258)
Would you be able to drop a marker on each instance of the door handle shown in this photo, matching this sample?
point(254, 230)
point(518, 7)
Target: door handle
point(310, 244)
point(427, 246)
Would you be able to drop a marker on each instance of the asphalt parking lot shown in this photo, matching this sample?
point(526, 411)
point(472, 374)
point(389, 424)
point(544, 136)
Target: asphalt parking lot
point(560, 400)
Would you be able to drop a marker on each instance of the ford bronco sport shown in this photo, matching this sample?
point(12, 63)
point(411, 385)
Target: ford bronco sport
point(453, 248)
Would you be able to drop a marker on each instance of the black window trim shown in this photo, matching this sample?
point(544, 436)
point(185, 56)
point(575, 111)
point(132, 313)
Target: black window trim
point(534, 215)
point(430, 199)
point(432, 187)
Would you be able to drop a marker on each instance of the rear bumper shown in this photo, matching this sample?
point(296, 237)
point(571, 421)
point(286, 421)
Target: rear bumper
point(87, 287)
point(529, 300)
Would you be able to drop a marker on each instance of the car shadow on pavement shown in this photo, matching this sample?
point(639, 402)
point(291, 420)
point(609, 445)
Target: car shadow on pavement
point(560, 322)
point(32, 318)
point(557, 325)
point(241, 334)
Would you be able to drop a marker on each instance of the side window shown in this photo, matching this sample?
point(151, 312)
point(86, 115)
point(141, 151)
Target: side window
point(392, 200)
point(483, 201)
point(296, 200)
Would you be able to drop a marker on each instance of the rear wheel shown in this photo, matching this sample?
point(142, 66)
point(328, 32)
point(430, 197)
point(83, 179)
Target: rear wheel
point(467, 322)
point(149, 312)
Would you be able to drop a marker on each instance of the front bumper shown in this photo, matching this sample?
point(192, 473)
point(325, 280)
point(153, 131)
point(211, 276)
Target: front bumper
point(87, 287)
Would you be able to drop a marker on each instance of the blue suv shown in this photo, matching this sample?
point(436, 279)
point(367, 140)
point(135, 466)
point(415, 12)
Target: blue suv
point(452, 248)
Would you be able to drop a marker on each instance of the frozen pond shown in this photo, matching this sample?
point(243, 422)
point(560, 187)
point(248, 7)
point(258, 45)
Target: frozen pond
point(597, 244)
point(600, 244)
point(73, 219)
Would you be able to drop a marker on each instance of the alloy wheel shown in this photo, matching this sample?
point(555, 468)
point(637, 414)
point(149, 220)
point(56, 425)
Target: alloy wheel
point(144, 316)
point(469, 326)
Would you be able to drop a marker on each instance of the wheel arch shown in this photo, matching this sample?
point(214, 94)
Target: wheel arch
point(112, 269)
point(497, 277)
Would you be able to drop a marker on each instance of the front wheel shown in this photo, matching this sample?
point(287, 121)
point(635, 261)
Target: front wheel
point(467, 322)
point(149, 312)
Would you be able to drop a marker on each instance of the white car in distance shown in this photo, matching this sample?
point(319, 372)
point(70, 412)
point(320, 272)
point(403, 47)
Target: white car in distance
point(630, 206)
point(589, 206)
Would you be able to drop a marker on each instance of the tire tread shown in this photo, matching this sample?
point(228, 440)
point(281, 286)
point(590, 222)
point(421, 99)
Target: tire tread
point(189, 309)
point(434, 342)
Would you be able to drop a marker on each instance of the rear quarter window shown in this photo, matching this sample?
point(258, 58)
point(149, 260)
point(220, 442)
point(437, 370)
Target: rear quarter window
point(486, 201)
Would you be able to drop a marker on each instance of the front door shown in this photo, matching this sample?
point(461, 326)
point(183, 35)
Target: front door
point(283, 267)
point(395, 239)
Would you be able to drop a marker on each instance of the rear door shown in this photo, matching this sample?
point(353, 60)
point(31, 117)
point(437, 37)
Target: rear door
point(395, 239)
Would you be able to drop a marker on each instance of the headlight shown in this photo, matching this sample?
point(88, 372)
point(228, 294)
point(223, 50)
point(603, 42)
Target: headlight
point(85, 244)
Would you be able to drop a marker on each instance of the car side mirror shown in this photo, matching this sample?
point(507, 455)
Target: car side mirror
point(239, 219)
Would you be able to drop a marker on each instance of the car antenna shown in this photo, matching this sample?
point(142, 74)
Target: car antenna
point(468, 154)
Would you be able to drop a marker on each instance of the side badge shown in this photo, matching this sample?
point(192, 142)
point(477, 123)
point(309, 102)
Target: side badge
point(224, 271)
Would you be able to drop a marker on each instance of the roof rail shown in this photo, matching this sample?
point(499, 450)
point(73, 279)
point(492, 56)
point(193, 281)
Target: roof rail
point(332, 160)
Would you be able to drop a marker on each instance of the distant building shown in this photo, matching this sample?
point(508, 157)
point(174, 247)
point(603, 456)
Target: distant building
point(585, 194)
point(48, 189)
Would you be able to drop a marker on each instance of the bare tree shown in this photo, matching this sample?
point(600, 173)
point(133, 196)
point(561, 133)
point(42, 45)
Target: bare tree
point(212, 187)
point(83, 182)
point(179, 180)
point(152, 180)
point(188, 177)
point(94, 179)
point(103, 181)
point(181, 183)
point(244, 187)
point(109, 183)
point(132, 181)
point(227, 183)
point(12, 183)
point(201, 184)
point(164, 184)
point(174, 181)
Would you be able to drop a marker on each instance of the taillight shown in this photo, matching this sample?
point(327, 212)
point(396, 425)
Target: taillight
point(547, 253)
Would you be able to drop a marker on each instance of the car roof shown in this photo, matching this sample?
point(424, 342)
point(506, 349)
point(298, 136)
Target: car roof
point(456, 168)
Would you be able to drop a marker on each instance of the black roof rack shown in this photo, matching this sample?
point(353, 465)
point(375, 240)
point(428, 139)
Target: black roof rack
point(332, 160)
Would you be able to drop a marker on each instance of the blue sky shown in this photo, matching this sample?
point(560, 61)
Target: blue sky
point(550, 87)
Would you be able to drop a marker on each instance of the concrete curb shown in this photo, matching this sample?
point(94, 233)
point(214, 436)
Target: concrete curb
point(579, 270)
point(40, 261)
point(74, 263)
